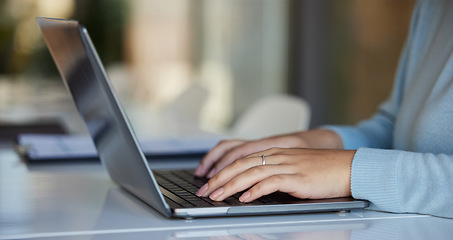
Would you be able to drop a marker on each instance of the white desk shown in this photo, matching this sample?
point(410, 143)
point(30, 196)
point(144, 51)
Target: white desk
point(78, 201)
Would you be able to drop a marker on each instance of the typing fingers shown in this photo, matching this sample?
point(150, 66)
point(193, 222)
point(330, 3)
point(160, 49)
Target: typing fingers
point(214, 155)
point(280, 182)
point(247, 179)
point(241, 175)
point(226, 174)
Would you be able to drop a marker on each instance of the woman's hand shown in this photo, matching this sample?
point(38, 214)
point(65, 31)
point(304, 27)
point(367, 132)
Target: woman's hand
point(229, 150)
point(303, 173)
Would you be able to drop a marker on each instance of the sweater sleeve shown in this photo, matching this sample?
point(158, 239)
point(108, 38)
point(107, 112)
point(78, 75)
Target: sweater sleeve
point(395, 180)
point(404, 182)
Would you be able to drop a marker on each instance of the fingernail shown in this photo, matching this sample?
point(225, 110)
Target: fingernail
point(202, 190)
point(211, 173)
point(244, 197)
point(215, 195)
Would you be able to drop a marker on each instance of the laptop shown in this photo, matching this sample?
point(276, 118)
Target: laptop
point(170, 192)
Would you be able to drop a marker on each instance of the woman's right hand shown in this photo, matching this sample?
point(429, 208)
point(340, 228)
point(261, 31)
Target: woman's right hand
point(227, 151)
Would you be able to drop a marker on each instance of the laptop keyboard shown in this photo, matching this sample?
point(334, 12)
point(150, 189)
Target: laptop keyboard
point(180, 186)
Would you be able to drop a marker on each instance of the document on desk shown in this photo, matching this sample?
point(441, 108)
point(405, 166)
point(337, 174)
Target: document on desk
point(41, 147)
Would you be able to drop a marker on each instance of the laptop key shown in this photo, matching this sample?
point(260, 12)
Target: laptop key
point(201, 203)
point(184, 185)
point(175, 198)
point(233, 201)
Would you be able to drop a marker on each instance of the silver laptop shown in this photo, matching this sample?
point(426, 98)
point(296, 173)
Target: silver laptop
point(169, 192)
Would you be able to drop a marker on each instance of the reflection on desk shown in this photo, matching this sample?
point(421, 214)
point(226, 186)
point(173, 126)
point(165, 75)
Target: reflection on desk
point(413, 228)
point(79, 201)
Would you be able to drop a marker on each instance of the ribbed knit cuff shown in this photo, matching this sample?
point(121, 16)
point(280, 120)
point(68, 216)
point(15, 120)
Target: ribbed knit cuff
point(374, 177)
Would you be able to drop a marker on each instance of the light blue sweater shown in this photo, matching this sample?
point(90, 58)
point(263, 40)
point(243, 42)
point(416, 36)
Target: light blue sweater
point(404, 159)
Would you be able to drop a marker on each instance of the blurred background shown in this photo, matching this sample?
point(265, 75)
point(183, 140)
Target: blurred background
point(340, 56)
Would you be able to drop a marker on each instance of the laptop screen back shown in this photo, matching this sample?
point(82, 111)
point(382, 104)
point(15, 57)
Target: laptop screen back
point(86, 80)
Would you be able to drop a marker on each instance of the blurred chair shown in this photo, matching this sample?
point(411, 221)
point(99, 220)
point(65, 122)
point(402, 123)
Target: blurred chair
point(272, 115)
point(184, 112)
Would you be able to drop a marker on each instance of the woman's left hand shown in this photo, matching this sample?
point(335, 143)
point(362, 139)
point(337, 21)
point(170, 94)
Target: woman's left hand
point(302, 173)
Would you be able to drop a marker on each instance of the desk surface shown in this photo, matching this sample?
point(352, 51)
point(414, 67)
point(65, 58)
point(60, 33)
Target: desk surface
point(77, 200)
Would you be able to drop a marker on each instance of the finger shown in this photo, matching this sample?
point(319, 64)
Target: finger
point(214, 155)
point(226, 174)
point(281, 182)
point(239, 152)
point(232, 171)
point(249, 178)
